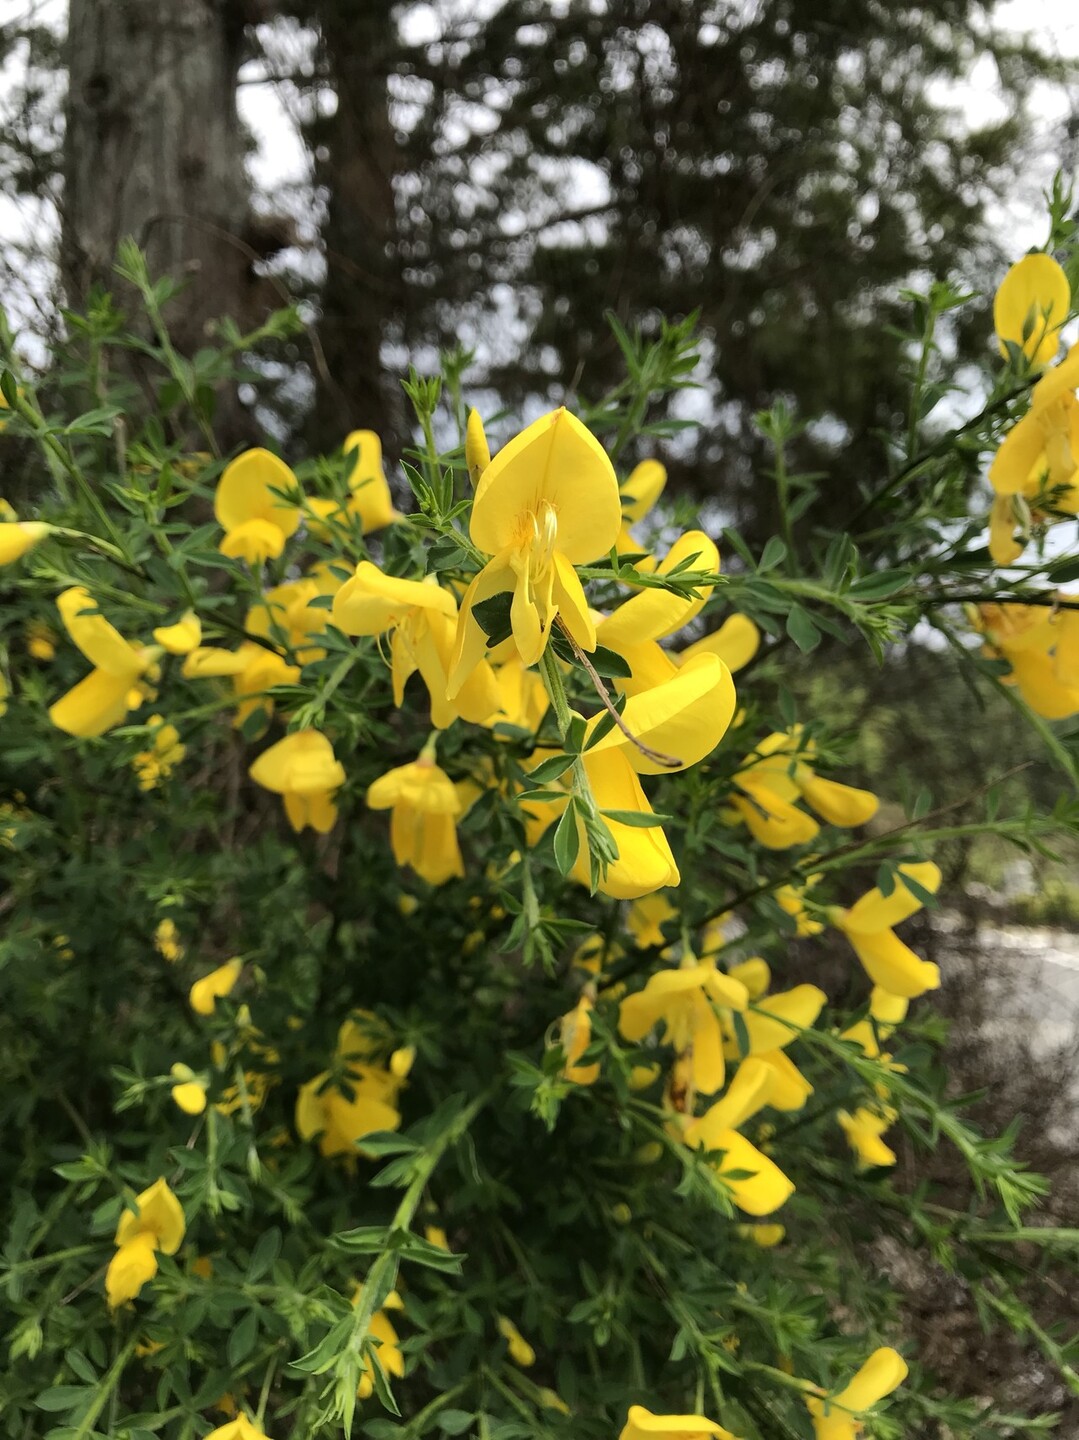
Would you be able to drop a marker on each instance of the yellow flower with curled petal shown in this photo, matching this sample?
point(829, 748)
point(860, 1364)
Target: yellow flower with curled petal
point(287, 615)
point(641, 1424)
point(868, 925)
point(773, 1022)
point(684, 1001)
point(838, 1417)
point(304, 771)
point(156, 1224)
point(369, 500)
point(548, 501)
point(421, 619)
point(340, 1120)
point(653, 613)
point(639, 493)
point(764, 1188)
point(1042, 649)
point(102, 699)
point(206, 992)
point(189, 1092)
point(424, 805)
point(1030, 306)
point(777, 774)
point(181, 638)
point(252, 506)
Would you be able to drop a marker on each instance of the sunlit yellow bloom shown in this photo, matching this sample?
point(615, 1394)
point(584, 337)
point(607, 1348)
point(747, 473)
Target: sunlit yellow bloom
point(251, 506)
point(424, 806)
point(157, 764)
point(1030, 306)
point(837, 1417)
point(775, 776)
point(774, 1021)
point(156, 1224)
point(684, 1000)
point(521, 1352)
point(289, 616)
point(19, 536)
point(576, 1036)
point(422, 620)
point(239, 1429)
point(304, 771)
point(103, 698)
point(189, 1092)
point(181, 638)
point(206, 992)
point(522, 696)
point(369, 500)
point(341, 1122)
point(641, 1424)
point(548, 501)
point(864, 1129)
point(891, 964)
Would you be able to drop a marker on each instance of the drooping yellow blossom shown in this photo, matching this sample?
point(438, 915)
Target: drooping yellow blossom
point(548, 501)
point(181, 638)
point(773, 1022)
point(424, 806)
point(775, 776)
point(19, 536)
point(639, 493)
point(477, 451)
point(422, 620)
point(868, 923)
point(646, 916)
point(522, 696)
point(1030, 306)
point(521, 1352)
point(575, 1037)
point(206, 992)
point(684, 1000)
point(239, 1429)
point(189, 1092)
point(165, 753)
point(369, 499)
point(252, 507)
point(764, 1187)
point(641, 1424)
point(1042, 648)
point(167, 941)
point(304, 771)
point(40, 641)
point(156, 1224)
point(838, 1417)
point(103, 698)
point(864, 1129)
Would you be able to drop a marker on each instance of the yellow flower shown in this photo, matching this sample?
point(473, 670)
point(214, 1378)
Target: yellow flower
point(253, 669)
point(775, 776)
point(167, 941)
point(156, 1224)
point(836, 1417)
point(864, 1129)
point(188, 1092)
point(477, 451)
point(684, 1000)
point(239, 1429)
point(206, 992)
point(735, 642)
point(774, 1021)
point(288, 613)
point(422, 620)
point(641, 1424)
point(1042, 650)
point(763, 1187)
point(157, 764)
point(181, 638)
point(1030, 306)
point(304, 771)
point(424, 806)
point(645, 918)
point(548, 501)
point(639, 492)
point(652, 614)
point(341, 1121)
point(521, 1352)
point(868, 923)
point(369, 500)
point(103, 698)
point(19, 536)
point(40, 641)
point(764, 1236)
point(576, 1036)
point(251, 506)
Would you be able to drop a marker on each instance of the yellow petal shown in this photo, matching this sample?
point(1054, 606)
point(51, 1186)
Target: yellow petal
point(470, 645)
point(644, 862)
point(100, 642)
point(245, 493)
point(766, 1187)
point(892, 965)
point(684, 719)
point(477, 451)
point(651, 614)
point(774, 1022)
point(91, 707)
point(569, 596)
point(1019, 452)
point(207, 662)
point(159, 1214)
point(19, 536)
point(838, 804)
point(1035, 675)
point(1066, 654)
point(772, 821)
point(883, 1372)
point(876, 911)
point(181, 638)
point(641, 1424)
point(1004, 548)
point(1056, 382)
point(748, 1092)
point(254, 541)
point(789, 1088)
point(1030, 306)
point(371, 499)
point(302, 764)
point(641, 489)
point(371, 602)
point(129, 1269)
point(206, 992)
point(735, 642)
point(556, 460)
point(754, 974)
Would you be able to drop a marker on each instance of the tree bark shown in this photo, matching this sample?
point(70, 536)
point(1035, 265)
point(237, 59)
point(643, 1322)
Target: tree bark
point(154, 149)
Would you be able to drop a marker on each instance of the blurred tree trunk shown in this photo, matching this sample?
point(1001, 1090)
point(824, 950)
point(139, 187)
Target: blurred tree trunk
point(355, 153)
point(154, 149)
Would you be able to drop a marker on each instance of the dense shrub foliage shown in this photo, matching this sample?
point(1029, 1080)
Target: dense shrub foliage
point(405, 879)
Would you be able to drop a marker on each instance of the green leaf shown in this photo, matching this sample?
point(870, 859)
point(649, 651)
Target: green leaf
point(802, 629)
point(243, 1337)
point(879, 585)
point(567, 840)
point(493, 617)
point(455, 1422)
point(775, 552)
point(609, 664)
point(634, 818)
point(550, 769)
point(63, 1397)
point(264, 1254)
